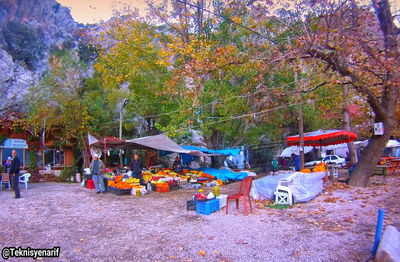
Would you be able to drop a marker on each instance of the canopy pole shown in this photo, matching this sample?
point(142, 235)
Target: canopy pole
point(105, 152)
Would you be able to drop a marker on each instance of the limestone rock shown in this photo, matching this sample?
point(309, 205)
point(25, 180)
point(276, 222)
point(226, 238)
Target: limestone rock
point(389, 246)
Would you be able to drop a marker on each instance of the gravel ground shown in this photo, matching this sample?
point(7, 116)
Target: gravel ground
point(336, 226)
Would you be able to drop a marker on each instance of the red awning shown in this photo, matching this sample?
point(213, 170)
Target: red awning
point(323, 138)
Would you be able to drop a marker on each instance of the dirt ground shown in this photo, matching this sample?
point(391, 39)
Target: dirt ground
point(338, 225)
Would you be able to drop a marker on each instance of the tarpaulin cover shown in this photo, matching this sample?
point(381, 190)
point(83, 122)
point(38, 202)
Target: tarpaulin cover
point(224, 175)
point(227, 152)
point(160, 142)
point(304, 186)
point(323, 138)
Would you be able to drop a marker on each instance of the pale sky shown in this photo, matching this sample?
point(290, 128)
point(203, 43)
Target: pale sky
point(92, 11)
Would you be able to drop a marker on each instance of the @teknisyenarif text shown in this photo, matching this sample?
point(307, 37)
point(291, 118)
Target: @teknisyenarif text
point(34, 253)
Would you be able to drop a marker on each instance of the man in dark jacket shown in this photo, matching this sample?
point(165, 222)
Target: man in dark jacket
point(14, 173)
point(136, 168)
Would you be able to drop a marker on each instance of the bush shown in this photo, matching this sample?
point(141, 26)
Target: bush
point(24, 43)
point(66, 174)
point(2, 169)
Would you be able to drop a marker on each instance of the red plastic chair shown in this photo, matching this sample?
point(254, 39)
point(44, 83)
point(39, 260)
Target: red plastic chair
point(243, 194)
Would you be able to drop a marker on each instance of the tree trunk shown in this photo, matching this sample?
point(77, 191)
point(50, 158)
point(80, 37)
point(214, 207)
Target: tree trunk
point(347, 124)
point(370, 157)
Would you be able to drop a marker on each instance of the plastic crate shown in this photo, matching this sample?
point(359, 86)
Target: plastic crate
point(222, 200)
point(174, 187)
point(207, 207)
point(162, 188)
point(90, 184)
point(120, 192)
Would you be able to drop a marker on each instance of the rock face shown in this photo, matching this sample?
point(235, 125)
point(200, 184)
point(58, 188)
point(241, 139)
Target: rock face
point(52, 25)
point(389, 246)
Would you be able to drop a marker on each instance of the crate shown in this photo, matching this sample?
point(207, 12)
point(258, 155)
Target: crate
point(207, 207)
point(191, 205)
point(174, 187)
point(222, 200)
point(120, 192)
point(162, 188)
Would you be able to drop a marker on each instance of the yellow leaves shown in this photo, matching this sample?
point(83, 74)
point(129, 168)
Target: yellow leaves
point(202, 253)
point(236, 19)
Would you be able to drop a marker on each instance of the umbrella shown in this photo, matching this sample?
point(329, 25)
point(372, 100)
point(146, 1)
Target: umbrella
point(322, 138)
point(287, 152)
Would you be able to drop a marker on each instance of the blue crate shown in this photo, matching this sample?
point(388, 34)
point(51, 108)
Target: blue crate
point(207, 207)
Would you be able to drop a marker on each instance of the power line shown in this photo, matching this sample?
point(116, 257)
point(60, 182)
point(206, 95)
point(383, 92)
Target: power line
point(246, 115)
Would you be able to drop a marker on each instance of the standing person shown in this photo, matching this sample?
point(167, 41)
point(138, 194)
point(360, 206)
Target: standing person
point(96, 169)
point(8, 164)
point(136, 168)
point(177, 165)
point(275, 165)
point(284, 164)
point(296, 163)
point(14, 173)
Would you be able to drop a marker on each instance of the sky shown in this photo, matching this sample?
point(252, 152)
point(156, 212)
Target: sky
point(93, 11)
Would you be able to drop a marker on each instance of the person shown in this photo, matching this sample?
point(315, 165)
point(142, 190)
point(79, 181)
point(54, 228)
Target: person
point(274, 165)
point(136, 168)
point(8, 164)
point(284, 164)
point(96, 169)
point(177, 165)
point(14, 173)
point(296, 162)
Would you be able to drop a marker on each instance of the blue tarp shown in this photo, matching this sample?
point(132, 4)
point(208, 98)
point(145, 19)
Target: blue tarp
point(224, 175)
point(227, 152)
point(186, 158)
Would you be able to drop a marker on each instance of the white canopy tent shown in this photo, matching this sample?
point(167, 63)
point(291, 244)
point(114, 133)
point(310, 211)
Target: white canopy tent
point(287, 152)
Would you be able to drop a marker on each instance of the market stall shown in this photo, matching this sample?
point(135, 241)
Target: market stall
point(162, 179)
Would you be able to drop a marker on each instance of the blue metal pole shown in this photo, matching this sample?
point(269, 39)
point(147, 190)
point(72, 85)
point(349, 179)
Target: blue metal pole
point(378, 231)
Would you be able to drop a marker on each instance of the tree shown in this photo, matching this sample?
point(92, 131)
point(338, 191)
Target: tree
point(362, 47)
point(58, 99)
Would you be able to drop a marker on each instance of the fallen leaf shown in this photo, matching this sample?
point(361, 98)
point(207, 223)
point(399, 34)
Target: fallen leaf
point(172, 257)
point(217, 252)
point(202, 253)
point(78, 249)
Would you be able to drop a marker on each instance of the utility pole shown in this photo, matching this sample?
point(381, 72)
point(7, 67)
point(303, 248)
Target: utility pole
point(124, 103)
point(301, 121)
point(347, 124)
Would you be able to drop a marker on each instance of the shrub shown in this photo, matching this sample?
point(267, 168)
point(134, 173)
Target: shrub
point(66, 174)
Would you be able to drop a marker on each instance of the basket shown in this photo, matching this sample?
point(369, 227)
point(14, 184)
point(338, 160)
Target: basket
point(207, 207)
point(222, 200)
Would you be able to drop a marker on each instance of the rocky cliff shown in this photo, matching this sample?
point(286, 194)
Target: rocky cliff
point(28, 31)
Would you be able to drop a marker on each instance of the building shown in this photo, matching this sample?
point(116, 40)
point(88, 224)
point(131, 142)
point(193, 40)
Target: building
point(15, 134)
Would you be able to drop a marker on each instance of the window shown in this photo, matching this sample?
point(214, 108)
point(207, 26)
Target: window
point(53, 157)
point(334, 157)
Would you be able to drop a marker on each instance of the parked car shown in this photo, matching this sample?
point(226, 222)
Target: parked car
point(331, 159)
